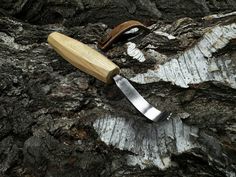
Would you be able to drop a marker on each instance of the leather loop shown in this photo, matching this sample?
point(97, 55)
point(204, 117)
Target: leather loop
point(110, 38)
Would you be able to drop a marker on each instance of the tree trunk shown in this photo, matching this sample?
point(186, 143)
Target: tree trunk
point(58, 121)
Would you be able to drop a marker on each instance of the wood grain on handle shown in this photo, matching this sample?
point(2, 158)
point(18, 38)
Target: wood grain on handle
point(83, 57)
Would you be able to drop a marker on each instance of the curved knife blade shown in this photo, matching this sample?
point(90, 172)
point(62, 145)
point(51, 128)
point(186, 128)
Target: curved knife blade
point(138, 101)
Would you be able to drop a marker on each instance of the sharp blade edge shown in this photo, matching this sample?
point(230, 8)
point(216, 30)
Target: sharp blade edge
point(138, 101)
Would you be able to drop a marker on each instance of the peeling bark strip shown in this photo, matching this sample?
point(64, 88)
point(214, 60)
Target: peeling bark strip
point(153, 144)
point(215, 16)
point(197, 64)
point(134, 52)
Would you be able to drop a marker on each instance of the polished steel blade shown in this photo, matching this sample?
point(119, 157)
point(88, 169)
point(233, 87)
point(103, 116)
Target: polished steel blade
point(138, 101)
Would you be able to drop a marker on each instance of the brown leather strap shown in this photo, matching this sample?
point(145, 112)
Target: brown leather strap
point(110, 38)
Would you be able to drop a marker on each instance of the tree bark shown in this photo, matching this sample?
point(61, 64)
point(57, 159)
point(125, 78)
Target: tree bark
point(57, 121)
point(111, 12)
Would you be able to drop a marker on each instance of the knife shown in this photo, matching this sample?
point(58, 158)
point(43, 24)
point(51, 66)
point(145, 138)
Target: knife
point(92, 62)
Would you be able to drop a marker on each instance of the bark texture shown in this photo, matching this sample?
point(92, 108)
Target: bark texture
point(57, 121)
point(76, 12)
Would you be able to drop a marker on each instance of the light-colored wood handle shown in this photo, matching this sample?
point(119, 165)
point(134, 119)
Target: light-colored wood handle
point(83, 57)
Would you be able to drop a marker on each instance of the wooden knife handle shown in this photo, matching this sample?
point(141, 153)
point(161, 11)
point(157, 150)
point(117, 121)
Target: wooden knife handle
point(83, 57)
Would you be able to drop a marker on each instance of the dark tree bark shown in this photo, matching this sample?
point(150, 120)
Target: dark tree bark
point(57, 121)
point(111, 12)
